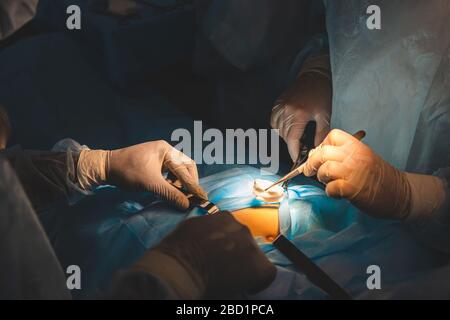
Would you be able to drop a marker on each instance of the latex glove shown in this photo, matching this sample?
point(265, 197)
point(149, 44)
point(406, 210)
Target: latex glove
point(352, 170)
point(211, 256)
point(309, 99)
point(139, 168)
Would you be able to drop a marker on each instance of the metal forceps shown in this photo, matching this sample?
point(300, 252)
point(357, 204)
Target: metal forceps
point(307, 144)
point(194, 201)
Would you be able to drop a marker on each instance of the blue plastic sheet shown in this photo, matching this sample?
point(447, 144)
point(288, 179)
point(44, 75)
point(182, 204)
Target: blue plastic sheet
point(111, 230)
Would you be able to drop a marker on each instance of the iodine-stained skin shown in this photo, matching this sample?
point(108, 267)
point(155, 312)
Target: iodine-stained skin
point(273, 195)
point(262, 222)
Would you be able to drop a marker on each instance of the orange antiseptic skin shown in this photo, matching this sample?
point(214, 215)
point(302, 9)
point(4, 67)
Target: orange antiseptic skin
point(262, 222)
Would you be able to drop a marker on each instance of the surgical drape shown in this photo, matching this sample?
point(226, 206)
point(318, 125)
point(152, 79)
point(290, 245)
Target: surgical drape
point(110, 231)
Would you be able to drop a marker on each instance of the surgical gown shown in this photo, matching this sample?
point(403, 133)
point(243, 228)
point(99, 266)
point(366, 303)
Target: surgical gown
point(29, 267)
point(394, 82)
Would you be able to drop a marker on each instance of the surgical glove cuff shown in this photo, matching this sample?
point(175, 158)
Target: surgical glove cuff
point(317, 65)
point(92, 168)
point(427, 197)
point(379, 189)
point(183, 282)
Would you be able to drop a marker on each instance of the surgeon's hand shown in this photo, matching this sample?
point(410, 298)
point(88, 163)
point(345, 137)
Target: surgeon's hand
point(309, 99)
point(211, 256)
point(353, 171)
point(139, 168)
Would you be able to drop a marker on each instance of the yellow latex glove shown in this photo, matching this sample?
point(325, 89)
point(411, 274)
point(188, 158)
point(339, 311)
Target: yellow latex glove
point(139, 168)
point(351, 170)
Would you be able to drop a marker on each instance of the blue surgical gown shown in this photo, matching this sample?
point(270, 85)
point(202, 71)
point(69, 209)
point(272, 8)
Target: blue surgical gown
point(394, 82)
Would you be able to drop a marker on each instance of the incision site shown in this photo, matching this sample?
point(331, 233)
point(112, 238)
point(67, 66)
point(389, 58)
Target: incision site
point(274, 194)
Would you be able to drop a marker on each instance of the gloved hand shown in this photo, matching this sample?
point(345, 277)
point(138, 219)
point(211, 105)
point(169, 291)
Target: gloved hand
point(209, 257)
point(139, 168)
point(352, 170)
point(309, 99)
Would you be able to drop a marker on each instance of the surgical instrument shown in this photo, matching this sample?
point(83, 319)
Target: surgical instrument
point(298, 169)
point(194, 201)
point(301, 261)
point(313, 272)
